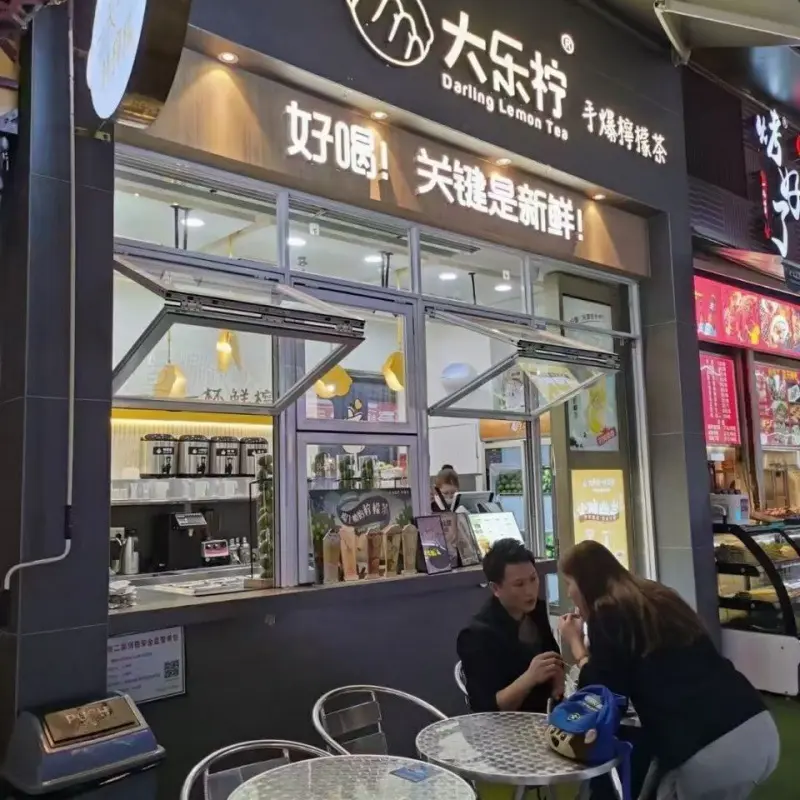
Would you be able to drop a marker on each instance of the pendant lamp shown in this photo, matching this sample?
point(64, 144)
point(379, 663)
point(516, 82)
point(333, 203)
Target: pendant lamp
point(171, 382)
point(227, 350)
point(336, 382)
point(394, 368)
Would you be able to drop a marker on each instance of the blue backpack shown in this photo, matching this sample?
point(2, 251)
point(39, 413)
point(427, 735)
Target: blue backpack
point(584, 728)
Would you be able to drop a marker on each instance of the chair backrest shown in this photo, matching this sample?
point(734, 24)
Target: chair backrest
point(461, 681)
point(220, 785)
point(358, 728)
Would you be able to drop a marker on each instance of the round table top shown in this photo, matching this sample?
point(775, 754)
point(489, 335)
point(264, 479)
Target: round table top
point(356, 778)
point(504, 747)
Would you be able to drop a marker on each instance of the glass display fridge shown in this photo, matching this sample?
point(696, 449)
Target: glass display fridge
point(758, 587)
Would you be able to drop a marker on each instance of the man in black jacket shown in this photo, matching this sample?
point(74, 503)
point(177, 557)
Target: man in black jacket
point(509, 655)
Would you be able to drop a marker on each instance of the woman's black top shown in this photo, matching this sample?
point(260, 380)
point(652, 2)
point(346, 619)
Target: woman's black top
point(686, 697)
point(493, 655)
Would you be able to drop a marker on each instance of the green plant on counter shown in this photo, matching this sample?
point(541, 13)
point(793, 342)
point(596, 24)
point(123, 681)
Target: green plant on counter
point(319, 465)
point(347, 475)
point(265, 510)
point(405, 517)
point(320, 525)
point(368, 475)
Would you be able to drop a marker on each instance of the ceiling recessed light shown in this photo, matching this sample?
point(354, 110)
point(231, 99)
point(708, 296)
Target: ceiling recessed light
point(228, 58)
point(373, 259)
point(503, 287)
point(296, 241)
point(193, 222)
point(379, 115)
point(503, 162)
point(447, 276)
point(598, 196)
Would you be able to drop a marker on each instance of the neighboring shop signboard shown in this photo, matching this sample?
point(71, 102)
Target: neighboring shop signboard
point(720, 409)
point(730, 315)
point(593, 421)
point(147, 666)
point(778, 392)
point(598, 509)
point(779, 183)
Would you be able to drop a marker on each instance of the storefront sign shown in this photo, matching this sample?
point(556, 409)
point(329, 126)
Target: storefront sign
point(593, 421)
point(498, 196)
point(598, 510)
point(320, 139)
point(778, 391)
point(147, 666)
point(501, 74)
point(133, 57)
point(780, 186)
point(720, 408)
point(738, 317)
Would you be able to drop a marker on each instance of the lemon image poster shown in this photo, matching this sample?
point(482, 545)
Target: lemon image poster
point(598, 509)
point(593, 423)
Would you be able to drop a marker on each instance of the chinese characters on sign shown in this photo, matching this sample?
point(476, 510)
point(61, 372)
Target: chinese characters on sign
point(496, 195)
point(769, 132)
point(720, 410)
point(607, 124)
point(320, 139)
point(521, 85)
point(147, 666)
point(598, 510)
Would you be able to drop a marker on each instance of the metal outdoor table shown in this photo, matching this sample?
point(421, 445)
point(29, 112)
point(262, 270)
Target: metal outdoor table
point(354, 778)
point(508, 748)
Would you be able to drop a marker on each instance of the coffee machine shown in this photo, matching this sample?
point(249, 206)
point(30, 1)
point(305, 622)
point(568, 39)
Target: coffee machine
point(178, 541)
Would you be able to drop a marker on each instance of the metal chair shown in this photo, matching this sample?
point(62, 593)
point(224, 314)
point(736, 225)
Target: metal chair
point(220, 785)
point(358, 729)
point(461, 681)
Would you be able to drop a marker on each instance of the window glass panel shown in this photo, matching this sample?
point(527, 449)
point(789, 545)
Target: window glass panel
point(343, 245)
point(369, 384)
point(359, 500)
point(189, 216)
point(478, 275)
point(209, 364)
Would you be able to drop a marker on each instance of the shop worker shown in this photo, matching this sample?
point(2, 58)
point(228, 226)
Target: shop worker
point(445, 489)
point(707, 727)
point(509, 655)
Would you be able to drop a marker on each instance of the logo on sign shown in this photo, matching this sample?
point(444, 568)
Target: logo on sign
point(398, 31)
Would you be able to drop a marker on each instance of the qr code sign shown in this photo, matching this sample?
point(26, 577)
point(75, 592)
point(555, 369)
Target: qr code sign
point(172, 669)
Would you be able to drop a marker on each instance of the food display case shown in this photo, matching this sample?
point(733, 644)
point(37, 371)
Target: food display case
point(758, 586)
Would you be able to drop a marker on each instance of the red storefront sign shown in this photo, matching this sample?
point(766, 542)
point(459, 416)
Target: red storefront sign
point(733, 316)
point(720, 410)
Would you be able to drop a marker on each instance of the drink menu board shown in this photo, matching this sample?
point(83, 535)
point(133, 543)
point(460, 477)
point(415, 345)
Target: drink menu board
point(778, 391)
point(720, 410)
point(729, 315)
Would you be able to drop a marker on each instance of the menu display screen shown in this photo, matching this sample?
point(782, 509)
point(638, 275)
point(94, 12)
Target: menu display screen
point(489, 528)
point(778, 391)
point(720, 409)
point(729, 315)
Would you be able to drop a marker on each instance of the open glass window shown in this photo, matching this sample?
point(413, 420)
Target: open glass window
point(530, 370)
point(189, 337)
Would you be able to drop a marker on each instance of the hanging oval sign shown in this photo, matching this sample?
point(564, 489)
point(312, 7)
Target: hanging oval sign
point(133, 57)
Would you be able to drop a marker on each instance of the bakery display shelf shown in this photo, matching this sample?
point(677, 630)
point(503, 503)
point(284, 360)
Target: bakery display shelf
point(732, 568)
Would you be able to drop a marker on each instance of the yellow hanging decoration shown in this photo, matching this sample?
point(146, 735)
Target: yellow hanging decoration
point(228, 351)
point(336, 382)
point(170, 382)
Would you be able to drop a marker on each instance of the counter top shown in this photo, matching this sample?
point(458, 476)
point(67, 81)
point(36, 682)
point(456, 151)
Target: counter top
point(156, 609)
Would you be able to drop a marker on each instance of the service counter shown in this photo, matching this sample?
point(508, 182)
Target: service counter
point(255, 662)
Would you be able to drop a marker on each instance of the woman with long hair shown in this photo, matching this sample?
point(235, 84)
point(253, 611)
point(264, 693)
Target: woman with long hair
point(704, 723)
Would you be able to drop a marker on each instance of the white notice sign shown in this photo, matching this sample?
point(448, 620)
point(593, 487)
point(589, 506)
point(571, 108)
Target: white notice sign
point(147, 666)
